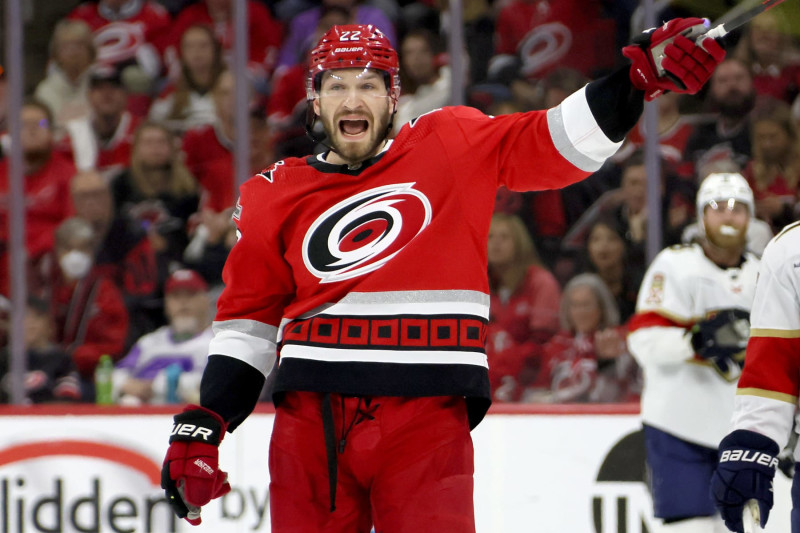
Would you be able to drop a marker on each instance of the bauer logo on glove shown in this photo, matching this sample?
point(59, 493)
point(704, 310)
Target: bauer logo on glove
point(190, 475)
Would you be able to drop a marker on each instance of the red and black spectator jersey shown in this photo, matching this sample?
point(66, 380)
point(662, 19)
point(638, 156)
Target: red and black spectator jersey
point(121, 37)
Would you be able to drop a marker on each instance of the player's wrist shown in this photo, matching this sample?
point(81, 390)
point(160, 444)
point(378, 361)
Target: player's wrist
point(198, 424)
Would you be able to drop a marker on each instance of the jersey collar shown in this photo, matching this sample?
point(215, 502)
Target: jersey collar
point(319, 163)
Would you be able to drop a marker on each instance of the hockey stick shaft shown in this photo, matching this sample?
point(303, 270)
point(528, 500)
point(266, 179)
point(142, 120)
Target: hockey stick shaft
point(701, 31)
point(721, 30)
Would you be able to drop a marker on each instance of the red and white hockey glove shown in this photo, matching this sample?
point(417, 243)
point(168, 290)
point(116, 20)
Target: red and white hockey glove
point(685, 64)
point(190, 475)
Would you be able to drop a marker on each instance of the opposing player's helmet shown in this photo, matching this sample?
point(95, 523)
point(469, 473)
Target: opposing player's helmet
point(722, 187)
point(353, 46)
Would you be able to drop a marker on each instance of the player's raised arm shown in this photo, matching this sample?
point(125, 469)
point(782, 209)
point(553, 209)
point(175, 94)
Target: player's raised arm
point(589, 125)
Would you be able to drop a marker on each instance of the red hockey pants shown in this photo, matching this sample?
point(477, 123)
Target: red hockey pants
point(406, 466)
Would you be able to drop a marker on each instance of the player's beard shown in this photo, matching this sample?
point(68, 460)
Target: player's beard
point(727, 237)
point(356, 152)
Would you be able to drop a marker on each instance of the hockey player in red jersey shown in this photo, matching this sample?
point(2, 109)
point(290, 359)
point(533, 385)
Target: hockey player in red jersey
point(766, 398)
point(365, 268)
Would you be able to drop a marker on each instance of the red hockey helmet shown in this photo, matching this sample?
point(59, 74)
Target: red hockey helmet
point(353, 46)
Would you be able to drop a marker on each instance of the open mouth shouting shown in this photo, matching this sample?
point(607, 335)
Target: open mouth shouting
point(353, 128)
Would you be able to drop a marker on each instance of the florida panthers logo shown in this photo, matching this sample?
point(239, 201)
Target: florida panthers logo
point(362, 233)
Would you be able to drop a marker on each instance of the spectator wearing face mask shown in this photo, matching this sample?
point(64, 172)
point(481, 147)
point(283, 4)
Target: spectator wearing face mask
point(142, 376)
point(89, 312)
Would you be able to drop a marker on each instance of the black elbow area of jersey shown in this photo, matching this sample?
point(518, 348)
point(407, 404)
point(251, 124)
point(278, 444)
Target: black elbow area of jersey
point(615, 103)
point(230, 388)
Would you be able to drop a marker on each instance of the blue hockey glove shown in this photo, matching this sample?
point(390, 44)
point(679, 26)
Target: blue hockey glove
point(745, 468)
point(722, 340)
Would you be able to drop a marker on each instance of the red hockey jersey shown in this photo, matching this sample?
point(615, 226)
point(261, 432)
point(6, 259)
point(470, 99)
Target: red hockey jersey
point(373, 279)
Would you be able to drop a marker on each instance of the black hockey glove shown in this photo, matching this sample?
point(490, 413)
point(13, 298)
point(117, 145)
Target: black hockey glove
point(722, 339)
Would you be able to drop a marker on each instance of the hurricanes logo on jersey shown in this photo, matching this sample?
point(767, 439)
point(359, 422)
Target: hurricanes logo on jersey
point(363, 232)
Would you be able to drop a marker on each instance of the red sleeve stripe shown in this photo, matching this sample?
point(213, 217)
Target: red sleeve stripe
point(772, 364)
point(761, 393)
point(651, 319)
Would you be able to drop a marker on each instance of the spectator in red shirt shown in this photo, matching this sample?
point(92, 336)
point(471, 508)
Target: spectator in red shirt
point(102, 141)
point(209, 149)
point(774, 171)
point(129, 35)
point(523, 308)
point(546, 34)
point(264, 32)
point(588, 360)
point(767, 49)
point(188, 101)
point(90, 315)
point(46, 188)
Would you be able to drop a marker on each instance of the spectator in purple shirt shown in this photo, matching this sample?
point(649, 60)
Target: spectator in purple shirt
point(143, 375)
point(303, 27)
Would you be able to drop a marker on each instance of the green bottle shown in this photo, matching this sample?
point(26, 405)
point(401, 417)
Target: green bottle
point(103, 384)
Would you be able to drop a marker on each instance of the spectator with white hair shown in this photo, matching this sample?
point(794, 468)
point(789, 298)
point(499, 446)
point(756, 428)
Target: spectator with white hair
point(587, 361)
point(65, 89)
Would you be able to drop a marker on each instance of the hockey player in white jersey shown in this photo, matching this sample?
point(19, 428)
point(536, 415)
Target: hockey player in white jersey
point(689, 334)
point(766, 398)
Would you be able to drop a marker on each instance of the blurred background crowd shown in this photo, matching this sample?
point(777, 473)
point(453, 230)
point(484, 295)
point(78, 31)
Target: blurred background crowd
point(127, 141)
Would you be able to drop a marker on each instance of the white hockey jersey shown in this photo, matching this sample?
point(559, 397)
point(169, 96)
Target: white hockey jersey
point(683, 394)
point(766, 399)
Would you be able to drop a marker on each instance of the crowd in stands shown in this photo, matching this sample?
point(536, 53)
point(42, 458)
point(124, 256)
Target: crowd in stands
point(129, 180)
